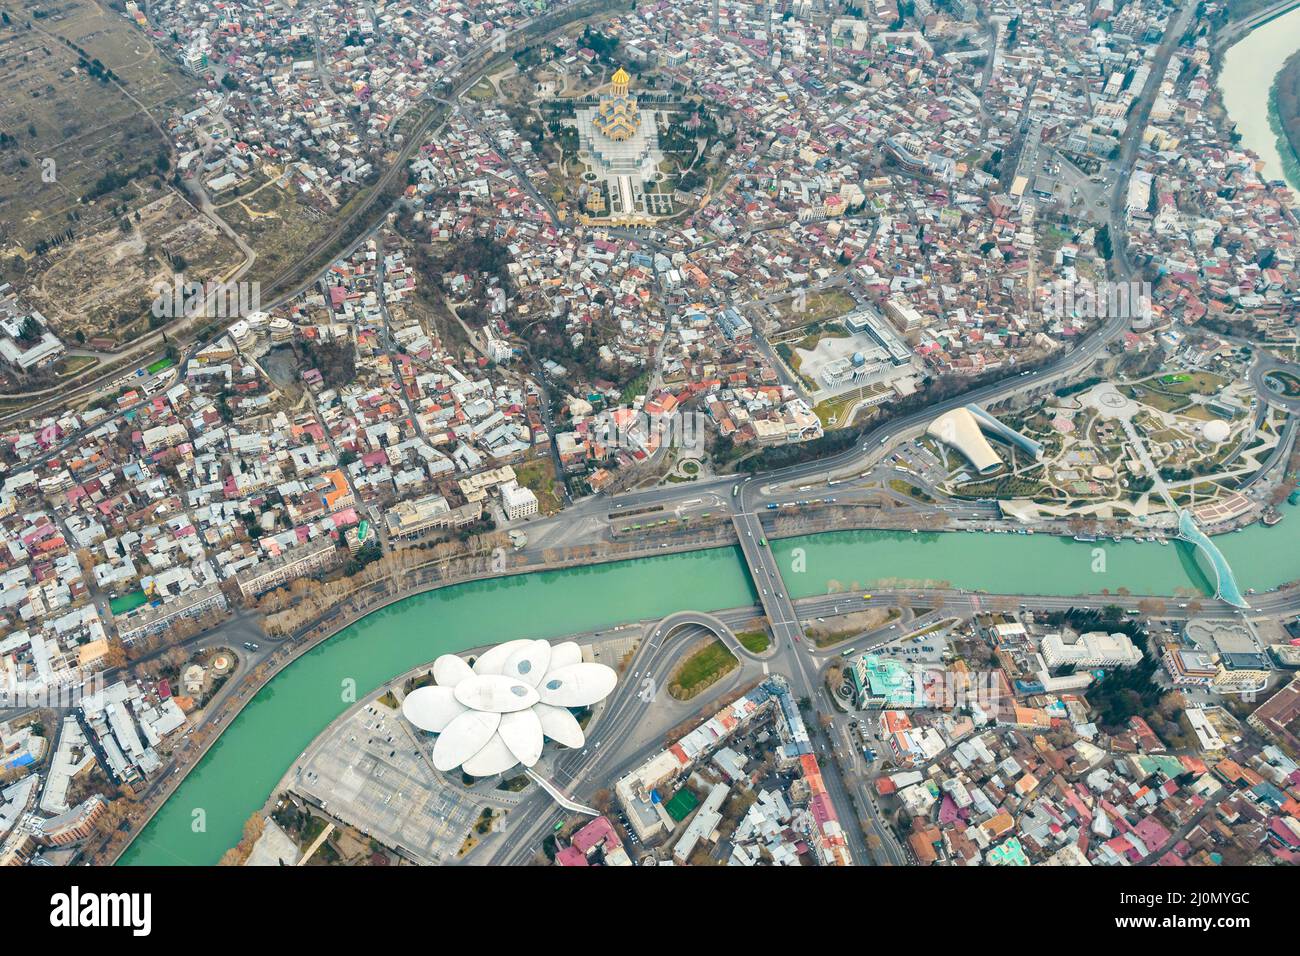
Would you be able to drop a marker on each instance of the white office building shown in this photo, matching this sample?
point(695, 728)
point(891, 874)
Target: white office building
point(1095, 649)
point(518, 502)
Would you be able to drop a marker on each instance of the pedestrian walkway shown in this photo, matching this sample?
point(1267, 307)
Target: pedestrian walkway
point(559, 796)
point(311, 850)
point(1225, 585)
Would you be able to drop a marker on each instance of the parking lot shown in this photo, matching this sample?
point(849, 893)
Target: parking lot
point(372, 773)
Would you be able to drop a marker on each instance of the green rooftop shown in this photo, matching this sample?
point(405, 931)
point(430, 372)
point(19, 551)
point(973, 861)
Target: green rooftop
point(1008, 853)
point(681, 804)
point(883, 679)
point(127, 602)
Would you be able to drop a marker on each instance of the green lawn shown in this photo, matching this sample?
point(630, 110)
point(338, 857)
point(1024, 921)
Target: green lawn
point(538, 475)
point(839, 406)
point(706, 666)
point(1199, 383)
point(482, 91)
point(754, 641)
point(1166, 403)
point(912, 491)
point(73, 365)
point(634, 388)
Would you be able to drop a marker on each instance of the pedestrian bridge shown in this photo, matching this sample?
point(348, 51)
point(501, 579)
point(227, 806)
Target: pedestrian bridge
point(1225, 585)
point(556, 794)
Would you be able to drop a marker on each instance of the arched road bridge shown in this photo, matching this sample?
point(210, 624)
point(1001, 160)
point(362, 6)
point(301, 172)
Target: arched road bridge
point(663, 630)
point(658, 634)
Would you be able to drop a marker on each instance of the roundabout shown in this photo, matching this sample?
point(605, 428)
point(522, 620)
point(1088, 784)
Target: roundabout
point(1284, 383)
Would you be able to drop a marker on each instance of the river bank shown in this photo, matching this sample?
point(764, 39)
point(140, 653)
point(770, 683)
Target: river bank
point(1253, 64)
point(275, 725)
point(1284, 110)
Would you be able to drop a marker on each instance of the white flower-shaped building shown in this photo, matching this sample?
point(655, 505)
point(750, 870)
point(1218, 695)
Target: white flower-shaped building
point(495, 715)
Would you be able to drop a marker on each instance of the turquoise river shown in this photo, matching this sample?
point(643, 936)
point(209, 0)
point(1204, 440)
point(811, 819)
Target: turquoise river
point(238, 773)
point(1251, 67)
point(240, 770)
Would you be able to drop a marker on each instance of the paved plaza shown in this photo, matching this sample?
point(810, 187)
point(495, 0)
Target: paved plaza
point(370, 770)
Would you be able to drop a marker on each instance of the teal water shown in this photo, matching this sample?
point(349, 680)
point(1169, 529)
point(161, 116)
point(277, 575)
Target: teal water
point(242, 767)
point(240, 770)
point(1246, 80)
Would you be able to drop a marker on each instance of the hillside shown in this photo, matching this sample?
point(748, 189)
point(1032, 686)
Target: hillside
point(1286, 92)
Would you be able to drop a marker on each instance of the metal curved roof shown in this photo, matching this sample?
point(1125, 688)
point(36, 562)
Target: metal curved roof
point(958, 429)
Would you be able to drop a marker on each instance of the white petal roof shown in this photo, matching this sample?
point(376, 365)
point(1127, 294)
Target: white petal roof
point(560, 725)
point(529, 663)
point(577, 685)
point(432, 708)
point(449, 670)
point(522, 732)
point(463, 738)
point(564, 654)
point(500, 712)
point(496, 693)
point(495, 757)
point(493, 660)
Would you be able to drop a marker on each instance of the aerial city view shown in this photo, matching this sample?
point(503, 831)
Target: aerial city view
point(576, 433)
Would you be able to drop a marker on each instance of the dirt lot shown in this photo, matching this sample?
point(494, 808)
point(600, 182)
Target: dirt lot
point(850, 625)
point(277, 225)
point(73, 292)
point(69, 127)
point(798, 311)
point(87, 214)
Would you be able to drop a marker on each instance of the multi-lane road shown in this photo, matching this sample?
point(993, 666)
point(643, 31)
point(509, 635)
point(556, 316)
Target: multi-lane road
point(792, 656)
point(622, 733)
point(625, 731)
point(617, 737)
